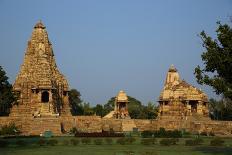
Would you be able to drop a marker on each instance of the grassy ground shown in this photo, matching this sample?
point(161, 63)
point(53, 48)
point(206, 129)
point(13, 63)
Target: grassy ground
point(62, 148)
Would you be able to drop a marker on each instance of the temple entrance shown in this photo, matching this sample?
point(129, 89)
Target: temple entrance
point(193, 106)
point(45, 97)
point(122, 106)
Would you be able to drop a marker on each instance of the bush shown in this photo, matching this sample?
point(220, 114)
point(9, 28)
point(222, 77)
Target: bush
point(98, 141)
point(193, 142)
point(73, 130)
point(10, 129)
point(3, 143)
point(52, 142)
point(20, 143)
point(146, 134)
point(41, 142)
point(148, 141)
point(85, 140)
point(65, 142)
point(130, 140)
point(75, 141)
point(168, 142)
point(109, 141)
point(162, 133)
point(121, 141)
point(217, 142)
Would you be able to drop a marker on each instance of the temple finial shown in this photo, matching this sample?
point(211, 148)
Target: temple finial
point(39, 24)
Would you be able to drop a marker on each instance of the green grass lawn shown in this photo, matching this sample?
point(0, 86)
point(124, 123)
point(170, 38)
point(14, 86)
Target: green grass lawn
point(64, 148)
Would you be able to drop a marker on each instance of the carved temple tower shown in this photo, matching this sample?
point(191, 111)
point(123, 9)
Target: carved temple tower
point(42, 89)
point(179, 100)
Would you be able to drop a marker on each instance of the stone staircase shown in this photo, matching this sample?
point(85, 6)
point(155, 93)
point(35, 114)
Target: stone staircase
point(128, 125)
point(109, 115)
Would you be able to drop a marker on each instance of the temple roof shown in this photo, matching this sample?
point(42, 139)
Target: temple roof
point(122, 96)
point(175, 88)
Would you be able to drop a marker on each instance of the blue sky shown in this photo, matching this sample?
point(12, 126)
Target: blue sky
point(103, 46)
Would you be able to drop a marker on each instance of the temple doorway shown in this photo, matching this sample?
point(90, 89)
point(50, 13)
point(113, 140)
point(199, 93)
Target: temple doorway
point(45, 97)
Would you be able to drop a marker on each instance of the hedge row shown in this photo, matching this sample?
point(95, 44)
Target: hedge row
point(162, 133)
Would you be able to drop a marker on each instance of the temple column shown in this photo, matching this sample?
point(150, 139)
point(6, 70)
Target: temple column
point(199, 107)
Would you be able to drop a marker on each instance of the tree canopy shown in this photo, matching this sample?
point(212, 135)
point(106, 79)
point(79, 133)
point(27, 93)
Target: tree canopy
point(75, 102)
point(217, 70)
point(7, 97)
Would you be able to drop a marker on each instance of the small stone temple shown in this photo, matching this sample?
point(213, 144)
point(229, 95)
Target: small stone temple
point(179, 100)
point(42, 89)
point(120, 107)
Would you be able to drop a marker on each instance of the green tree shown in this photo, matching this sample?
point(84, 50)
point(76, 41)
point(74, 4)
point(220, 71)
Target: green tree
point(7, 97)
point(150, 111)
point(98, 110)
point(75, 102)
point(87, 109)
point(134, 107)
point(109, 106)
point(217, 58)
point(220, 110)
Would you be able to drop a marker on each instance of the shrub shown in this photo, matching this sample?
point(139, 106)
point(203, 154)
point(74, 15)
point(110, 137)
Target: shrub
point(168, 142)
point(130, 140)
point(174, 141)
point(193, 142)
point(148, 141)
point(217, 142)
point(98, 141)
point(162, 133)
point(85, 140)
point(121, 141)
point(109, 141)
point(52, 142)
point(20, 143)
point(41, 142)
point(199, 141)
point(146, 134)
point(65, 142)
point(3, 143)
point(73, 130)
point(75, 141)
point(10, 129)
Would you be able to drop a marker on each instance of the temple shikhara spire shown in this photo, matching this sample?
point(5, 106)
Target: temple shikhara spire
point(42, 89)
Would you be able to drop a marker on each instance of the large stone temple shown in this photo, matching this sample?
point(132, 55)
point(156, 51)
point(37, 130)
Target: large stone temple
point(180, 100)
point(42, 89)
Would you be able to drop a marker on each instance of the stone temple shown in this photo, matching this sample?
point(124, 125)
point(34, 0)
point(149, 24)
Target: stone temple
point(180, 100)
point(42, 89)
point(120, 107)
point(43, 103)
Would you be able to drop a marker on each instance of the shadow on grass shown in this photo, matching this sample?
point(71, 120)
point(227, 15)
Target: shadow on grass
point(214, 150)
